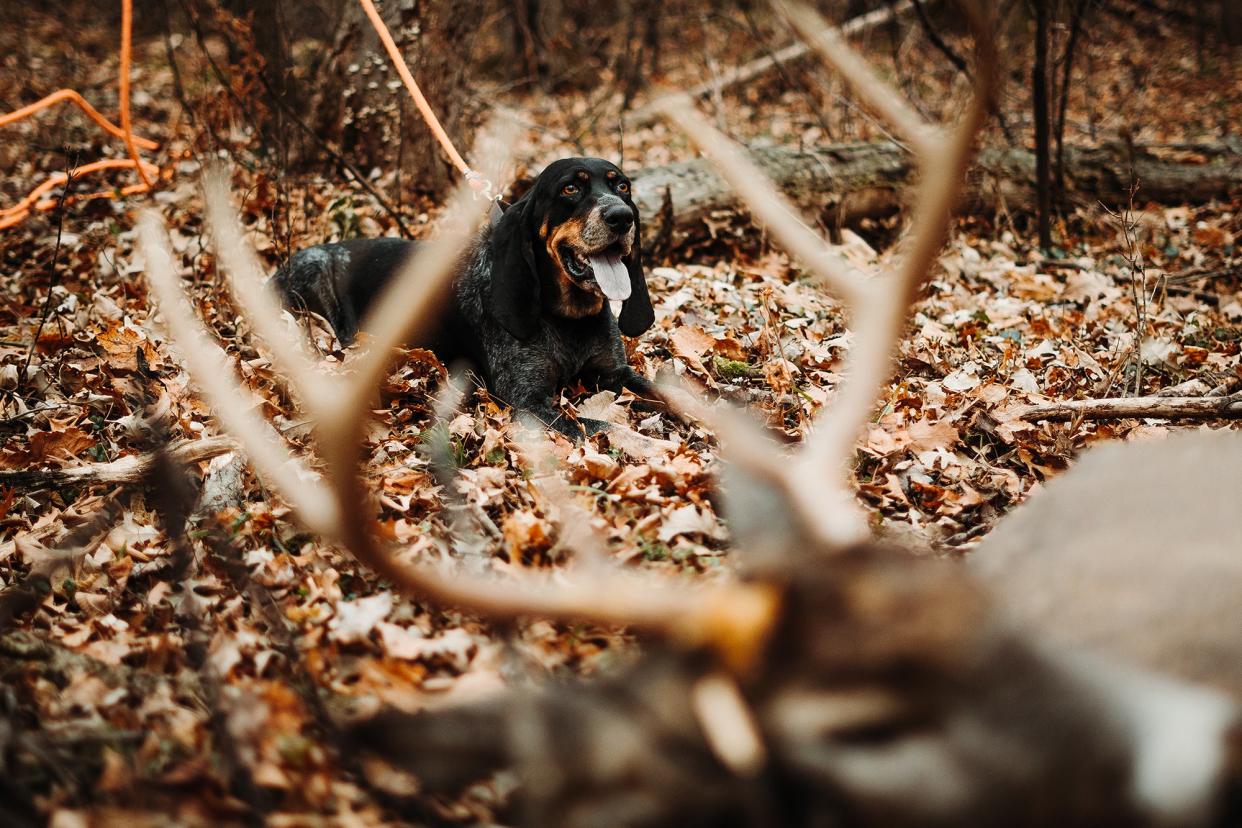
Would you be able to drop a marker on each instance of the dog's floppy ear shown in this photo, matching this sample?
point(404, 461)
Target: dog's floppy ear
point(636, 313)
point(515, 281)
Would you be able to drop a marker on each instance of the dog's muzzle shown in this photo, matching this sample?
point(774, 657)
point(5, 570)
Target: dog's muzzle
point(607, 236)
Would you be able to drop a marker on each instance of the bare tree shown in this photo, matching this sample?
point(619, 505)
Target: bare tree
point(1043, 122)
point(361, 107)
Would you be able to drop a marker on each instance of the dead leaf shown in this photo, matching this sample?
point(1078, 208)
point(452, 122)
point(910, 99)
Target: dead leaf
point(690, 343)
point(524, 531)
point(926, 435)
point(689, 520)
point(355, 619)
point(455, 647)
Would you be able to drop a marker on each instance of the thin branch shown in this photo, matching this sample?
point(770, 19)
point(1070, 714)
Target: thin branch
point(741, 74)
point(340, 160)
point(938, 41)
point(54, 282)
point(868, 85)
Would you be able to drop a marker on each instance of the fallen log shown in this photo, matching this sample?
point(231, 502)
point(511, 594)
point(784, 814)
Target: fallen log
point(846, 183)
point(1163, 408)
point(129, 469)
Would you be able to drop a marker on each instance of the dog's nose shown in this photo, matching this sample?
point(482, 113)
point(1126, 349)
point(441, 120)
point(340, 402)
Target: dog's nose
point(618, 217)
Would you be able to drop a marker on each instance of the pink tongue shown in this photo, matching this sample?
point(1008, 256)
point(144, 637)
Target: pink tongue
point(611, 276)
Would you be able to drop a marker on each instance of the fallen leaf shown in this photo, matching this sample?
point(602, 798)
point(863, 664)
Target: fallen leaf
point(689, 520)
point(690, 343)
point(354, 620)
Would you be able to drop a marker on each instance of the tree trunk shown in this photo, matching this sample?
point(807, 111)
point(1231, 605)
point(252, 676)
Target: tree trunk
point(850, 182)
point(1039, 98)
point(1231, 22)
point(363, 107)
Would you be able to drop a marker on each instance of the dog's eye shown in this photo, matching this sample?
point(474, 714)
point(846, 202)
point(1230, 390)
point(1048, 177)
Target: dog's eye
point(623, 187)
point(569, 189)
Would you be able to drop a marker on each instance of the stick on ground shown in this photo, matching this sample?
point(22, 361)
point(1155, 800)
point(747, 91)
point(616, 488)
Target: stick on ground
point(1164, 408)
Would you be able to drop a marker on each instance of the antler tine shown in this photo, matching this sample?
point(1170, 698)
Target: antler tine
point(878, 306)
point(246, 283)
point(943, 159)
point(262, 308)
point(767, 203)
point(744, 439)
point(296, 484)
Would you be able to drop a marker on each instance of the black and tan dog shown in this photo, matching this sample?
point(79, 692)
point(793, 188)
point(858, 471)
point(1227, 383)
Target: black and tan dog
point(530, 300)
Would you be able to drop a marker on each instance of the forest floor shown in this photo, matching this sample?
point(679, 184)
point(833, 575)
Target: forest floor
point(133, 695)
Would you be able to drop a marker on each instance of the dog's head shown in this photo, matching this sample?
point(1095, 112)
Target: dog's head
point(567, 247)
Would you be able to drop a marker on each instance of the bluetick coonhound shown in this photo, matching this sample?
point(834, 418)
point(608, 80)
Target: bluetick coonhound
point(530, 299)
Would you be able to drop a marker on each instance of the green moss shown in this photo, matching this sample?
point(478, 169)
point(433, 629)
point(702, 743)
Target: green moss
point(731, 369)
point(655, 551)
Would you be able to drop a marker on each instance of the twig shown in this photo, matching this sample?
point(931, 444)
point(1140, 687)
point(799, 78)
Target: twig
point(1163, 408)
point(1138, 290)
point(1077, 12)
point(939, 42)
point(341, 161)
point(54, 282)
point(648, 114)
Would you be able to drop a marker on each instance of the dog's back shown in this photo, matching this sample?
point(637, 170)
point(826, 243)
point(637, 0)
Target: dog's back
point(341, 280)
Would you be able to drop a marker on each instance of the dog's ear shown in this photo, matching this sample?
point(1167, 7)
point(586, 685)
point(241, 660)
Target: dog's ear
point(636, 313)
point(515, 281)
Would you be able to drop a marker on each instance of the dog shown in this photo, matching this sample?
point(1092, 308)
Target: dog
point(530, 300)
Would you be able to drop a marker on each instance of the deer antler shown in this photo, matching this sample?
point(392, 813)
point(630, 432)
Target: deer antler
point(731, 617)
point(815, 483)
point(734, 618)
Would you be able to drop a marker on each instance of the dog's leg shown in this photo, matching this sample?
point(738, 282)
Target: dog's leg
point(624, 377)
point(345, 323)
point(521, 378)
point(550, 417)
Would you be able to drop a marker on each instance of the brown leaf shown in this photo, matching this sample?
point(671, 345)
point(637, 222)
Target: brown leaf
point(119, 342)
point(690, 343)
point(525, 531)
point(598, 466)
point(926, 435)
point(64, 444)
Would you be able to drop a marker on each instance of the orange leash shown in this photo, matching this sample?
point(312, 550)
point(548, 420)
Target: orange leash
point(433, 123)
point(146, 171)
point(33, 201)
point(127, 24)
